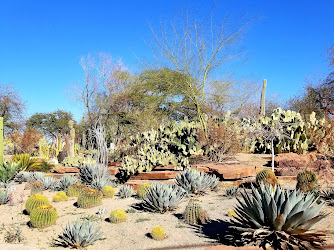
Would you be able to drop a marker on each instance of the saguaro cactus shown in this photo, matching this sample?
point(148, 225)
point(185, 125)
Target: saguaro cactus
point(263, 99)
point(72, 135)
point(1, 140)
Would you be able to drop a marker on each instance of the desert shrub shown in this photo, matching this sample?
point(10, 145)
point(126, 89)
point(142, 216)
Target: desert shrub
point(278, 218)
point(307, 181)
point(26, 142)
point(13, 235)
point(323, 138)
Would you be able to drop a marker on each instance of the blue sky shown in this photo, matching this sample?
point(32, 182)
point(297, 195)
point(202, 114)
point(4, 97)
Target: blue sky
point(41, 42)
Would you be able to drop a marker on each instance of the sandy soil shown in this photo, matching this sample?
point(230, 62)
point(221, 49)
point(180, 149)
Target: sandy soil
point(132, 234)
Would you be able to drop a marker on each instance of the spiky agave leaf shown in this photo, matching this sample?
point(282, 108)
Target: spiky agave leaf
point(278, 217)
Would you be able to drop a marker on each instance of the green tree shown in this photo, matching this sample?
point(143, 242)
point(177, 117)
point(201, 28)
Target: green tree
point(50, 124)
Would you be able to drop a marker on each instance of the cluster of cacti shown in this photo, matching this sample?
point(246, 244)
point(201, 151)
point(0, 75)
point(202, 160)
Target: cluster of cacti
point(78, 160)
point(43, 216)
point(231, 191)
point(50, 183)
point(36, 188)
point(196, 182)
point(266, 176)
point(125, 191)
point(307, 181)
point(34, 201)
point(194, 213)
point(163, 197)
point(75, 189)
point(44, 149)
point(89, 198)
point(79, 234)
point(66, 181)
point(118, 216)
point(142, 190)
point(108, 192)
point(60, 196)
point(95, 176)
point(158, 233)
point(277, 217)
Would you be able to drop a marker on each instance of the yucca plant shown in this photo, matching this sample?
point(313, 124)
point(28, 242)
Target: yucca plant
point(26, 162)
point(278, 217)
point(196, 182)
point(125, 191)
point(79, 234)
point(163, 197)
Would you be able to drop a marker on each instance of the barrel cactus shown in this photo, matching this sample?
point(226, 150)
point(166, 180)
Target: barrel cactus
point(158, 233)
point(194, 213)
point(89, 198)
point(142, 189)
point(125, 191)
point(35, 200)
point(75, 189)
point(67, 181)
point(57, 198)
point(43, 216)
point(36, 188)
point(63, 195)
point(118, 216)
point(278, 217)
point(266, 176)
point(307, 181)
point(108, 191)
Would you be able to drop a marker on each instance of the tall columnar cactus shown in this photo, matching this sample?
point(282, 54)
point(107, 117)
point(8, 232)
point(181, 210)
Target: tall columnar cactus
point(72, 136)
point(263, 99)
point(75, 189)
point(1, 140)
point(43, 216)
point(89, 198)
point(118, 216)
point(266, 176)
point(307, 180)
point(194, 213)
point(34, 201)
point(59, 144)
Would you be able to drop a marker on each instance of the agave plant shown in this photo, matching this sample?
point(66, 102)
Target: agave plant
point(278, 217)
point(163, 197)
point(50, 183)
point(125, 191)
point(4, 196)
point(79, 234)
point(8, 171)
point(196, 182)
point(95, 176)
point(231, 191)
point(37, 176)
point(66, 181)
point(22, 176)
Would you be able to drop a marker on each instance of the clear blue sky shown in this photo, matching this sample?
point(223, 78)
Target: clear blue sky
point(41, 42)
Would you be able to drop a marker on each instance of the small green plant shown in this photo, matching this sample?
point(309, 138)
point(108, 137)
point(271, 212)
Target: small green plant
point(8, 171)
point(194, 213)
point(26, 162)
point(125, 191)
point(75, 189)
point(267, 176)
point(142, 189)
point(89, 198)
point(231, 191)
point(108, 192)
point(118, 216)
point(34, 201)
point(142, 220)
point(4, 197)
point(79, 234)
point(91, 218)
point(43, 216)
point(158, 233)
point(307, 181)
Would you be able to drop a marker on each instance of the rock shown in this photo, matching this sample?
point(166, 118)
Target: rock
point(62, 170)
point(293, 160)
point(113, 170)
point(114, 164)
point(168, 167)
point(155, 175)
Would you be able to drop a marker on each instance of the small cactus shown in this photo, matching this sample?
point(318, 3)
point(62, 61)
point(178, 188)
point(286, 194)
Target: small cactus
point(108, 192)
point(118, 216)
point(89, 198)
point(43, 216)
point(57, 198)
point(194, 213)
point(158, 233)
point(36, 188)
point(75, 189)
point(125, 191)
point(307, 181)
point(62, 195)
point(267, 176)
point(35, 200)
point(142, 189)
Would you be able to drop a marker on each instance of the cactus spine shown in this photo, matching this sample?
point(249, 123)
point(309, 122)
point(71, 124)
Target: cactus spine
point(194, 213)
point(118, 216)
point(158, 233)
point(89, 198)
point(34, 201)
point(43, 216)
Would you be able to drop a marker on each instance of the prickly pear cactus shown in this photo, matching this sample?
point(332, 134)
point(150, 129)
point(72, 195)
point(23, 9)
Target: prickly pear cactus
point(34, 201)
point(75, 189)
point(108, 192)
point(158, 233)
point(89, 198)
point(307, 181)
point(267, 177)
point(118, 216)
point(194, 213)
point(43, 216)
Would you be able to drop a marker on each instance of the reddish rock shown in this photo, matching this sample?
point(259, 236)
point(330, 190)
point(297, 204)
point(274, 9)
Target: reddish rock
point(62, 170)
point(201, 168)
point(293, 160)
point(114, 164)
point(58, 176)
point(168, 167)
point(113, 170)
point(136, 183)
point(155, 175)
